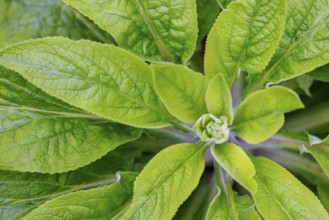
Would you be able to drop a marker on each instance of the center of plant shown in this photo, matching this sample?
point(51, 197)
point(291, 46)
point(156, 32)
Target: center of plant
point(210, 128)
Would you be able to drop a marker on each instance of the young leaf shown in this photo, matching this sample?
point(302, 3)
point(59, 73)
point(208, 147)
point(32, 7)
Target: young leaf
point(22, 192)
point(323, 192)
point(305, 82)
point(102, 79)
point(166, 182)
point(321, 153)
point(237, 163)
point(303, 47)
point(220, 208)
point(181, 90)
point(28, 19)
point(99, 203)
point(245, 37)
point(39, 133)
point(261, 114)
point(281, 196)
point(219, 98)
point(155, 30)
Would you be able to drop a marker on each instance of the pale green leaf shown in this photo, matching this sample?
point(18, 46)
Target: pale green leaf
point(321, 153)
point(28, 19)
point(219, 98)
point(281, 196)
point(261, 114)
point(304, 44)
point(220, 208)
point(305, 82)
point(100, 203)
point(245, 37)
point(321, 73)
point(323, 192)
point(39, 133)
point(99, 78)
point(22, 192)
point(166, 182)
point(155, 30)
point(237, 163)
point(181, 90)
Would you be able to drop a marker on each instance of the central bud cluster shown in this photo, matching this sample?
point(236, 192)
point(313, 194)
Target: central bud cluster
point(210, 128)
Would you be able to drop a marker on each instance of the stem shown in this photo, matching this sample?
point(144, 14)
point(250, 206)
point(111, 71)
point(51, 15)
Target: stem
point(228, 191)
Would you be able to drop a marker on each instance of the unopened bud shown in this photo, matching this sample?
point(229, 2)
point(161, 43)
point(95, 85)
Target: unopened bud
point(210, 128)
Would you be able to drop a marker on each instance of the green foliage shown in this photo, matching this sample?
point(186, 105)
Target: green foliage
point(248, 44)
point(100, 203)
point(180, 118)
point(167, 180)
point(281, 196)
point(261, 114)
point(154, 30)
point(181, 90)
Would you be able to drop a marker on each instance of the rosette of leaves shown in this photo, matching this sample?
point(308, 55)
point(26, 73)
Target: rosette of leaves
point(67, 105)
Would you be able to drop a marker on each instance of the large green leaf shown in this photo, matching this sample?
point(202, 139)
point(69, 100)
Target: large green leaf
point(100, 203)
point(155, 30)
point(40, 133)
point(166, 182)
point(304, 44)
point(224, 3)
point(245, 37)
point(219, 98)
point(237, 163)
point(261, 114)
point(22, 192)
point(99, 78)
point(181, 90)
point(281, 196)
point(320, 152)
point(23, 20)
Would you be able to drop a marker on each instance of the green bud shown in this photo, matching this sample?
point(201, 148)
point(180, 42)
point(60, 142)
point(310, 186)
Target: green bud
point(210, 128)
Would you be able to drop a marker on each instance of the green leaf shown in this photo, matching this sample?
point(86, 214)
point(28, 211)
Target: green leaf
point(261, 114)
point(220, 208)
point(207, 11)
point(28, 19)
point(181, 90)
point(323, 192)
point(321, 73)
point(99, 78)
point(321, 153)
point(219, 98)
point(22, 192)
point(281, 196)
point(100, 203)
point(39, 133)
point(237, 163)
point(166, 182)
point(304, 44)
point(154, 30)
point(196, 206)
point(245, 37)
point(305, 82)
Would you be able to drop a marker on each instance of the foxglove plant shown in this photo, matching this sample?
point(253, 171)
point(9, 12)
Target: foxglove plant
point(84, 110)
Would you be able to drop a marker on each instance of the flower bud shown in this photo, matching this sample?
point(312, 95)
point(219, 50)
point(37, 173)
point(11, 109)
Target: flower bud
point(210, 128)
